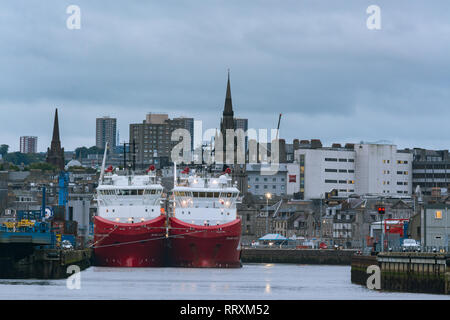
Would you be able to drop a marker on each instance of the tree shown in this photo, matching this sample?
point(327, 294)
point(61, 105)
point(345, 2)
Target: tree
point(4, 150)
point(95, 150)
point(81, 152)
point(42, 166)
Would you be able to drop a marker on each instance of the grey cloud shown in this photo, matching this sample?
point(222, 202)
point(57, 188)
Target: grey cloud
point(315, 61)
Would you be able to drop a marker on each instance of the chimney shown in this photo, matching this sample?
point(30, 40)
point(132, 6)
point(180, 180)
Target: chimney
point(316, 144)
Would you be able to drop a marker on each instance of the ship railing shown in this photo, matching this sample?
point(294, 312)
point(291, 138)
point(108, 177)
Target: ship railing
point(205, 204)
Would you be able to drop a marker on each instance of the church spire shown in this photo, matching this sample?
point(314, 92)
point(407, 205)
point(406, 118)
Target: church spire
point(228, 109)
point(56, 127)
point(55, 154)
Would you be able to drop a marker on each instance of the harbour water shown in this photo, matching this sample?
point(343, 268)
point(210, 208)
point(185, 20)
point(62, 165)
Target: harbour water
point(252, 281)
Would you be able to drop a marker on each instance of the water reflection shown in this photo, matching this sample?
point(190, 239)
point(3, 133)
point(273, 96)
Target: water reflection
point(251, 282)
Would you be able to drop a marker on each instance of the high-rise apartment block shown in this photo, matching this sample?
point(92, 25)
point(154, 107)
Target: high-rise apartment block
point(152, 137)
point(106, 130)
point(28, 144)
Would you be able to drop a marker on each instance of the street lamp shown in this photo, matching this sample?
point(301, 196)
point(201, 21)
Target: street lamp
point(268, 196)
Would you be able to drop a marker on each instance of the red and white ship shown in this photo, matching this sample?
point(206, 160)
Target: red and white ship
point(204, 228)
point(129, 228)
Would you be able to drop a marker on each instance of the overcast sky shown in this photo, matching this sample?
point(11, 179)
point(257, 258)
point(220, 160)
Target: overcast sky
point(313, 60)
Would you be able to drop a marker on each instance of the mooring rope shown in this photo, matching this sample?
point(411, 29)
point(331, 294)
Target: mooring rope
point(145, 240)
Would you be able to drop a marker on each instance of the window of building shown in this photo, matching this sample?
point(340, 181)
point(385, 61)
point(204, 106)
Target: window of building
point(438, 214)
point(330, 170)
point(330, 181)
point(331, 159)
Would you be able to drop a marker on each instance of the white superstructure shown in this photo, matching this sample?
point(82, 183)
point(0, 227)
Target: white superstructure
point(129, 198)
point(205, 200)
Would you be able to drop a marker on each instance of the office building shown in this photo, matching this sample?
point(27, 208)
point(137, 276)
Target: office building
point(152, 137)
point(430, 169)
point(365, 168)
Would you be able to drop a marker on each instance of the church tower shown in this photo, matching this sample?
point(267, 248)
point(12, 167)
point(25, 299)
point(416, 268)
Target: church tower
point(228, 123)
point(55, 154)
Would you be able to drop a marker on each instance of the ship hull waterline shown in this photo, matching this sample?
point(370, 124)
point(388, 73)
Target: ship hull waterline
point(197, 246)
point(129, 244)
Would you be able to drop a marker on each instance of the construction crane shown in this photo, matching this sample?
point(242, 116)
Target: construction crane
point(278, 127)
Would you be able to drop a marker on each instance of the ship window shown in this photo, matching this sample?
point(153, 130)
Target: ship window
point(195, 194)
point(202, 194)
point(133, 192)
point(210, 195)
point(216, 194)
point(229, 194)
point(140, 192)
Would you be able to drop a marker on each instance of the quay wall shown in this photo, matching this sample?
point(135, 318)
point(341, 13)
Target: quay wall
point(301, 256)
point(406, 271)
point(359, 266)
point(45, 264)
point(415, 272)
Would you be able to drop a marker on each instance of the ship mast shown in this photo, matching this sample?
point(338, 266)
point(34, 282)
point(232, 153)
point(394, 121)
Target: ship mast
point(103, 164)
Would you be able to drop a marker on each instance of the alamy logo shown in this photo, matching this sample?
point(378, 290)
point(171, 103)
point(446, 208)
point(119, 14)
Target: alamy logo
point(374, 20)
point(230, 148)
point(374, 281)
point(74, 20)
point(74, 281)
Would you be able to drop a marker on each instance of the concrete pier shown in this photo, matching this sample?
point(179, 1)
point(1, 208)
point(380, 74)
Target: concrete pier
point(301, 256)
point(44, 264)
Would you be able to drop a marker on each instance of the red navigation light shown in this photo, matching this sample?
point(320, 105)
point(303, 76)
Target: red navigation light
point(109, 169)
point(228, 170)
point(381, 210)
point(151, 168)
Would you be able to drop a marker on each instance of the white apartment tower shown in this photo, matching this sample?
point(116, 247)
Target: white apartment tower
point(28, 144)
point(382, 169)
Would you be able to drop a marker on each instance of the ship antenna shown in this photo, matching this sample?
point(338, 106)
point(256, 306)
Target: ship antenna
point(174, 173)
point(103, 164)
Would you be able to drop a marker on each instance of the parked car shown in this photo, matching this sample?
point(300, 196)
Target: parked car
point(323, 245)
point(410, 245)
point(65, 244)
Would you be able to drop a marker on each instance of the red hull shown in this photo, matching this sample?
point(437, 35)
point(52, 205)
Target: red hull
point(204, 246)
point(129, 245)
